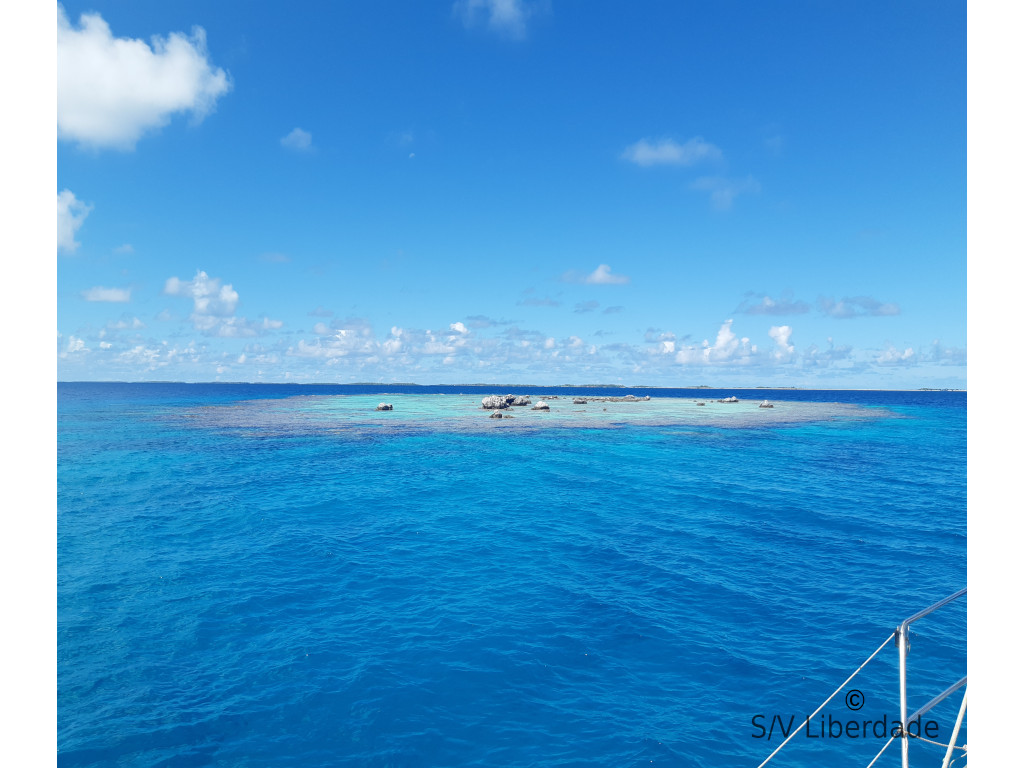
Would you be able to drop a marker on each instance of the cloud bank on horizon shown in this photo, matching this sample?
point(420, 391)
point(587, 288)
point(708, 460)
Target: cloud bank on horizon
point(227, 245)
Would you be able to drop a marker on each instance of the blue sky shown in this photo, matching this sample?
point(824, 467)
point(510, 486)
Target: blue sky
point(513, 192)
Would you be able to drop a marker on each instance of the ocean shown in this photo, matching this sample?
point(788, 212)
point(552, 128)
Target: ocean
point(280, 575)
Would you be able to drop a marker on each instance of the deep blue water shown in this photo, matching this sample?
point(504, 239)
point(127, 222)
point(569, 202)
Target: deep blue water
point(552, 597)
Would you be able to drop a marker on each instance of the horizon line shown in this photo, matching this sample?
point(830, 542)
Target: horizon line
point(507, 385)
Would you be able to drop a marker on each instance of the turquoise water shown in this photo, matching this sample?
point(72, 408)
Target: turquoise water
point(271, 575)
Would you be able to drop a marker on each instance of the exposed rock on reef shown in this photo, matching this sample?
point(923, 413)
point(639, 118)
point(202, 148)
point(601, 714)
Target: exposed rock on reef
point(501, 402)
point(504, 401)
point(385, 407)
point(732, 399)
point(496, 415)
point(766, 404)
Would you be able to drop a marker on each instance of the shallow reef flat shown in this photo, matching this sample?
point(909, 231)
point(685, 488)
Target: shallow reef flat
point(466, 412)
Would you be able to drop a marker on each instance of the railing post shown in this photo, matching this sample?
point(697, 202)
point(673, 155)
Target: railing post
point(956, 732)
point(902, 633)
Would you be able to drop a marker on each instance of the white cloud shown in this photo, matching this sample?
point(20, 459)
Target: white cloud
point(110, 91)
point(214, 305)
point(724, 191)
point(505, 17)
point(601, 276)
point(71, 212)
point(299, 140)
point(393, 344)
point(727, 349)
point(893, 356)
point(458, 327)
point(117, 295)
point(668, 152)
point(209, 296)
point(783, 351)
point(142, 356)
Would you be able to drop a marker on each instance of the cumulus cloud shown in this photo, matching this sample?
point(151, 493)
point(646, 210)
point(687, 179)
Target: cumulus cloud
point(298, 140)
point(353, 338)
point(601, 276)
point(74, 346)
point(769, 306)
point(110, 91)
point(214, 305)
point(458, 328)
point(894, 356)
point(504, 17)
point(209, 296)
point(727, 349)
point(646, 153)
point(784, 351)
point(724, 191)
point(71, 212)
point(116, 295)
point(858, 306)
